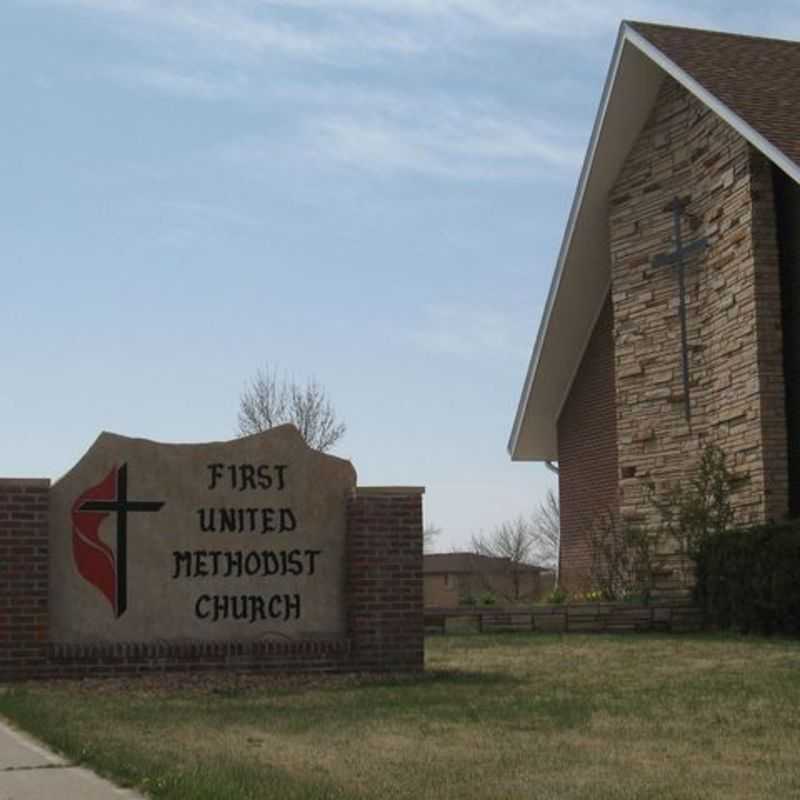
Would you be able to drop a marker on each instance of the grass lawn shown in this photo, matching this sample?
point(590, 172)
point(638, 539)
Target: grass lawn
point(509, 716)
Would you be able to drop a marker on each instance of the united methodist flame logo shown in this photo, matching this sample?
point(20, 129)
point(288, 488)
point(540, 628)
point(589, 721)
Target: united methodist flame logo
point(105, 569)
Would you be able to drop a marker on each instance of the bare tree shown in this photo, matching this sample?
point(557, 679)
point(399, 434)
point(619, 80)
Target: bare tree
point(270, 400)
point(513, 542)
point(429, 536)
point(546, 531)
point(523, 542)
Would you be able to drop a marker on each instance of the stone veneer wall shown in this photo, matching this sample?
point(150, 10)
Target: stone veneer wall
point(587, 454)
point(383, 596)
point(568, 618)
point(733, 310)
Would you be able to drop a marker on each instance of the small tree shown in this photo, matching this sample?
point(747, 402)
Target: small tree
point(693, 512)
point(546, 531)
point(429, 535)
point(269, 400)
point(512, 541)
point(624, 561)
point(627, 556)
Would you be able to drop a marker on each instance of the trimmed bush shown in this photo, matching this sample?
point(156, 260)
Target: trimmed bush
point(748, 579)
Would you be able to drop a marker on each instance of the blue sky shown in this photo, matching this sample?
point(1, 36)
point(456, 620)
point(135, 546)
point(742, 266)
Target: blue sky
point(371, 192)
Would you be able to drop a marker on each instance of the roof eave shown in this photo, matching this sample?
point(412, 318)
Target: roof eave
point(551, 453)
point(532, 412)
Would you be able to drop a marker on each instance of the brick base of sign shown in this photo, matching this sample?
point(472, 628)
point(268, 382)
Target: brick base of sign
point(23, 574)
point(383, 597)
point(71, 660)
point(384, 582)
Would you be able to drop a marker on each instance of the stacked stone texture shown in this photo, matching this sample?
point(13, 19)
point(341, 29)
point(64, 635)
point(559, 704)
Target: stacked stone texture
point(733, 312)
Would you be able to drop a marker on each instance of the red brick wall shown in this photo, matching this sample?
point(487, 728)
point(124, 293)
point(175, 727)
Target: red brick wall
point(384, 583)
point(587, 454)
point(384, 597)
point(23, 574)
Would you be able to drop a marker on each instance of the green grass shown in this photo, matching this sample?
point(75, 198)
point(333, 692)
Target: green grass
point(512, 716)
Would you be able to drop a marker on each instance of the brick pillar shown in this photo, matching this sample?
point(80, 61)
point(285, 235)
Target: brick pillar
point(384, 578)
point(24, 587)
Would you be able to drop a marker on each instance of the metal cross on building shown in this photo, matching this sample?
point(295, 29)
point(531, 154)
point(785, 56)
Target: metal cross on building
point(676, 259)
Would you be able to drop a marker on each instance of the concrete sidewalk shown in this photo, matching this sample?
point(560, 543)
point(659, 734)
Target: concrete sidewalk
point(30, 772)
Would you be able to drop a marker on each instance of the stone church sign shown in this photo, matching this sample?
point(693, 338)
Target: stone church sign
point(240, 540)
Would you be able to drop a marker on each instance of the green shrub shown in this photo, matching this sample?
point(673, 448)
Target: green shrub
point(634, 599)
point(624, 559)
point(748, 579)
point(627, 555)
point(468, 600)
point(488, 599)
point(693, 511)
point(557, 597)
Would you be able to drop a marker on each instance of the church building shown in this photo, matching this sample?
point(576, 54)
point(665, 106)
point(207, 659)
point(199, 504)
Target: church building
point(673, 318)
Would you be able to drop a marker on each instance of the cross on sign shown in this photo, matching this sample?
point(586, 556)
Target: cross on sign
point(677, 207)
point(121, 506)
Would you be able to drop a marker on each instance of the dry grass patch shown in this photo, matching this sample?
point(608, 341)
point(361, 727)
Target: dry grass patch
point(528, 716)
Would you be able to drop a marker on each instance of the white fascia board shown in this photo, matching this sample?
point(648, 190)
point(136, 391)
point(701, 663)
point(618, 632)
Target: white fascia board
point(626, 35)
point(758, 141)
point(566, 241)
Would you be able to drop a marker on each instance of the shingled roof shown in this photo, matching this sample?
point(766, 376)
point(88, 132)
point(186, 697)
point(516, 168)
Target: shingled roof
point(751, 82)
point(756, 78)
point(434, 563)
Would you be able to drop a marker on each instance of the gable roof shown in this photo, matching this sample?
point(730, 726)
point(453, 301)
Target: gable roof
point(751, 82)
point(433, 563)
point(757, 79)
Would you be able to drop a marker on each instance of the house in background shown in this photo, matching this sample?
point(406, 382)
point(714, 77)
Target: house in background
point(640, 362)
point(453, 579)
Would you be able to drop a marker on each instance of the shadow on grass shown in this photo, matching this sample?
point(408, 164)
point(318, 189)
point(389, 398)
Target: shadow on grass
point(434, 676)
point(437, 695)
point(339, 684)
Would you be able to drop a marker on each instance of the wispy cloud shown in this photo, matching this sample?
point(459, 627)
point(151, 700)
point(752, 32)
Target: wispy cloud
point(455, 144)
point(435, 135)
point(552, 18)
point(257, 89)
point(333, 29)
point(458, 134)
point(203, 214)
point(254, 27)
point(470, 332)
point(329, 30)
point(183, 84)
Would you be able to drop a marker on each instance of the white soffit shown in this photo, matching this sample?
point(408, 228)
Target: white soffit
point(581, 279)
point(582, 274)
